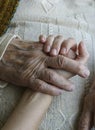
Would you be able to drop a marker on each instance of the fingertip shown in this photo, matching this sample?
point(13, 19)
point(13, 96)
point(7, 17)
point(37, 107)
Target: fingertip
point(86, 74)
point(83, 71)
point(55, 91)
point(59, 92)
point(83, 45)
point(42, 38)
point(70, 87)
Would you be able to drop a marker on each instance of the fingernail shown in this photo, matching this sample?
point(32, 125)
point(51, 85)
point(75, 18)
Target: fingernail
point(86, 73)
point(64, 51)
point(54, 52)
point(47, 49)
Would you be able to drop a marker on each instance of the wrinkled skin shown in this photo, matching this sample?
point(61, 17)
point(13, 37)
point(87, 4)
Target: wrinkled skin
point(25, 64)
point(87, 119)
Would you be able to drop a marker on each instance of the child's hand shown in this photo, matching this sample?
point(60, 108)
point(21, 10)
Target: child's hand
point(57, 45)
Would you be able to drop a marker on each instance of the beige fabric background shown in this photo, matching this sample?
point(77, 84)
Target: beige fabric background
point(71, 18)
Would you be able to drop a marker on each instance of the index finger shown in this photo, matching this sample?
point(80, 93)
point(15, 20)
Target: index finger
point(73, 66)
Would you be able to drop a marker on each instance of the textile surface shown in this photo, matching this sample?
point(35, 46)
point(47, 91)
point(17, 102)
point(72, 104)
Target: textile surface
point(70, 18)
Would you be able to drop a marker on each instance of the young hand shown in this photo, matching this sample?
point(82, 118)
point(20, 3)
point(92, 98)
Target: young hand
point(57, 45)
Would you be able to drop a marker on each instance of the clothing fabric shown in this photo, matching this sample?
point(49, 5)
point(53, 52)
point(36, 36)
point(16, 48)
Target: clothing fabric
point(70, 18)
point(4, 42)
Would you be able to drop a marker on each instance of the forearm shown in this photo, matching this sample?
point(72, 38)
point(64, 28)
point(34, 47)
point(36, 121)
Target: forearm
point(30, 111)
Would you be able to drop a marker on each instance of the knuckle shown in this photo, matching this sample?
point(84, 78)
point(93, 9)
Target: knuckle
point(51, 76)
point(61, 61)
point(38, 86)
point(80, 67)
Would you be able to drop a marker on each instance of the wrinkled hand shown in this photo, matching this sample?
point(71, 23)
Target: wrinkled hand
point(87, 120)
point(25, 64)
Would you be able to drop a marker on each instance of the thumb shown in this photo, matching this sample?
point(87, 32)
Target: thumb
point(83, 53)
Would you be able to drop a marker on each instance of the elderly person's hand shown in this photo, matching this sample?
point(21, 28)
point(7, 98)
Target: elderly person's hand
point(87, 119)
point(25, 64)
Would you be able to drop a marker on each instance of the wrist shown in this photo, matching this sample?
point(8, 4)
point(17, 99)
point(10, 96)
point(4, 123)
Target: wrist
point(4, 43)
point(15, 40)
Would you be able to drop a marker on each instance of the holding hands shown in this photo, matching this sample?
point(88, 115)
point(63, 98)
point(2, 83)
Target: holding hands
point(25, 64)
point(75, 55)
